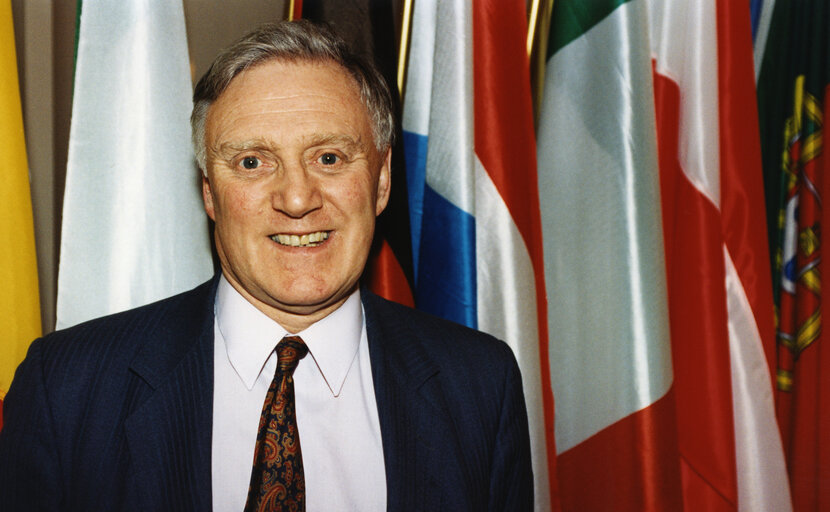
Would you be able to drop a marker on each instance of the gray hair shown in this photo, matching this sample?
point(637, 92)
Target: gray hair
point(295, 41)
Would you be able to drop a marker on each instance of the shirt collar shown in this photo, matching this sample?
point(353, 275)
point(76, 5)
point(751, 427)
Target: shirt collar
point(251, 336)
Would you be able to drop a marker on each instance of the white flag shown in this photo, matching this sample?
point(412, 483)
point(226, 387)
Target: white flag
point(134, 229)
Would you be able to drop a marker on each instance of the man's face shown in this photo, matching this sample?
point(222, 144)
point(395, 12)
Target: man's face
point(294, 183)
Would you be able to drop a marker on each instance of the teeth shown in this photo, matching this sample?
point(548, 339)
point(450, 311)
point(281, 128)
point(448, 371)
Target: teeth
point(307, 240)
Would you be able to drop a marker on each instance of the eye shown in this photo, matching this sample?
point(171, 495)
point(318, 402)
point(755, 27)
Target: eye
point(328, 159)
point(250, 162)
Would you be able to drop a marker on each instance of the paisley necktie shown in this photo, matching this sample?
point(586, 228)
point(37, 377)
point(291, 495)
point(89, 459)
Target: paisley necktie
point(277, 480)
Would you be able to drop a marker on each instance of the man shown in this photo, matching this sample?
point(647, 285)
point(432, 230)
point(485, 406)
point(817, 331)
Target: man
point(161, 408)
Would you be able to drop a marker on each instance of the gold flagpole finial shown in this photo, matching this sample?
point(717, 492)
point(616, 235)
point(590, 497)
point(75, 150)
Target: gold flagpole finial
point(531, 26)
point(403, 47)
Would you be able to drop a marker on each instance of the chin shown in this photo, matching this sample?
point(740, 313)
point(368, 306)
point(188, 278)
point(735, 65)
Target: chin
point(307, 302)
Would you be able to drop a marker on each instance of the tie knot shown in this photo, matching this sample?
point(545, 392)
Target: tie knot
point(289, 352)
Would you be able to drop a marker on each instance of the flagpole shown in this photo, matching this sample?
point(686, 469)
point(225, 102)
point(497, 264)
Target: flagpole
point(537, 47)
point(403, 48)
point(292, 6)
point(531, 26)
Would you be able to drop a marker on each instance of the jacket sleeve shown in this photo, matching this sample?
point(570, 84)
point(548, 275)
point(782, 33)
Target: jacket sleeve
point(30, 468)
point(511, 478)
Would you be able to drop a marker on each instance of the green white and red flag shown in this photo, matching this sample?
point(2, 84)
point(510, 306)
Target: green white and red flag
point(661, 312)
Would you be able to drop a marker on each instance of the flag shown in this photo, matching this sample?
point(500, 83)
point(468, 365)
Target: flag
point(134, 229)
point(610, 358)
point(652, 191)
point(368, 26)
point(474, 215)
point(761, 19)
point(794, 101)
point(715, 171)
point(19, 300)
point(755, 8)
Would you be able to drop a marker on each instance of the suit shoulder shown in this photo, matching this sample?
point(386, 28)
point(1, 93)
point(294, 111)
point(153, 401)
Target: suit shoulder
point(119, 335)
point(439, 336)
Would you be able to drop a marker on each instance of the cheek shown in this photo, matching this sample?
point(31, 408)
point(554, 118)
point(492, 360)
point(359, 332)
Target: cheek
point(238, 202)
point(360, 194)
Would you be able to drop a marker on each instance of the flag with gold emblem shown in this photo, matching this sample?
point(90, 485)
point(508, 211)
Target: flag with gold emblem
point(794, 103)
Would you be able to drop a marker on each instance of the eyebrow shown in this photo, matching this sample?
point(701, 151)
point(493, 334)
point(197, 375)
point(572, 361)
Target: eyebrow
point(259, 144)
point(346, 141)
point(241, 147)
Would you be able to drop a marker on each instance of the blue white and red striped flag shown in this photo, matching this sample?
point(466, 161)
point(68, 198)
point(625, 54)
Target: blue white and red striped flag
point(471, 176)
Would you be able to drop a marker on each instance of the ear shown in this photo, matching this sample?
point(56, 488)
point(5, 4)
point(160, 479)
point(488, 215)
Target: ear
point(207, 197)
point(384, 183)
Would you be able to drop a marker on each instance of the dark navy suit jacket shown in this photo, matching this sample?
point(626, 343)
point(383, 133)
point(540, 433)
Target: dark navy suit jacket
point(116, 413)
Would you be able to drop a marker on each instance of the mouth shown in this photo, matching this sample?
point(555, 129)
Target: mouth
point(306, 240)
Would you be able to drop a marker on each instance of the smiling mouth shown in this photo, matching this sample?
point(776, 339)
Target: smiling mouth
point(306, 240)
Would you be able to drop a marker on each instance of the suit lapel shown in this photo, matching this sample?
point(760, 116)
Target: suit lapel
point(169, 431)
point(414, 419)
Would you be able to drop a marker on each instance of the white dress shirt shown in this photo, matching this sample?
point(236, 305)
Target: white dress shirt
point(337, 414)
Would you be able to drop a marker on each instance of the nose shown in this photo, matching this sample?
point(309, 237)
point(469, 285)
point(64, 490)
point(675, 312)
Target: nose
point(297, 191)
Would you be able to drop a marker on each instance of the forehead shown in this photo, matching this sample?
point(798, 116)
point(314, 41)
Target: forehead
point(289, 95)
point(286, 73)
